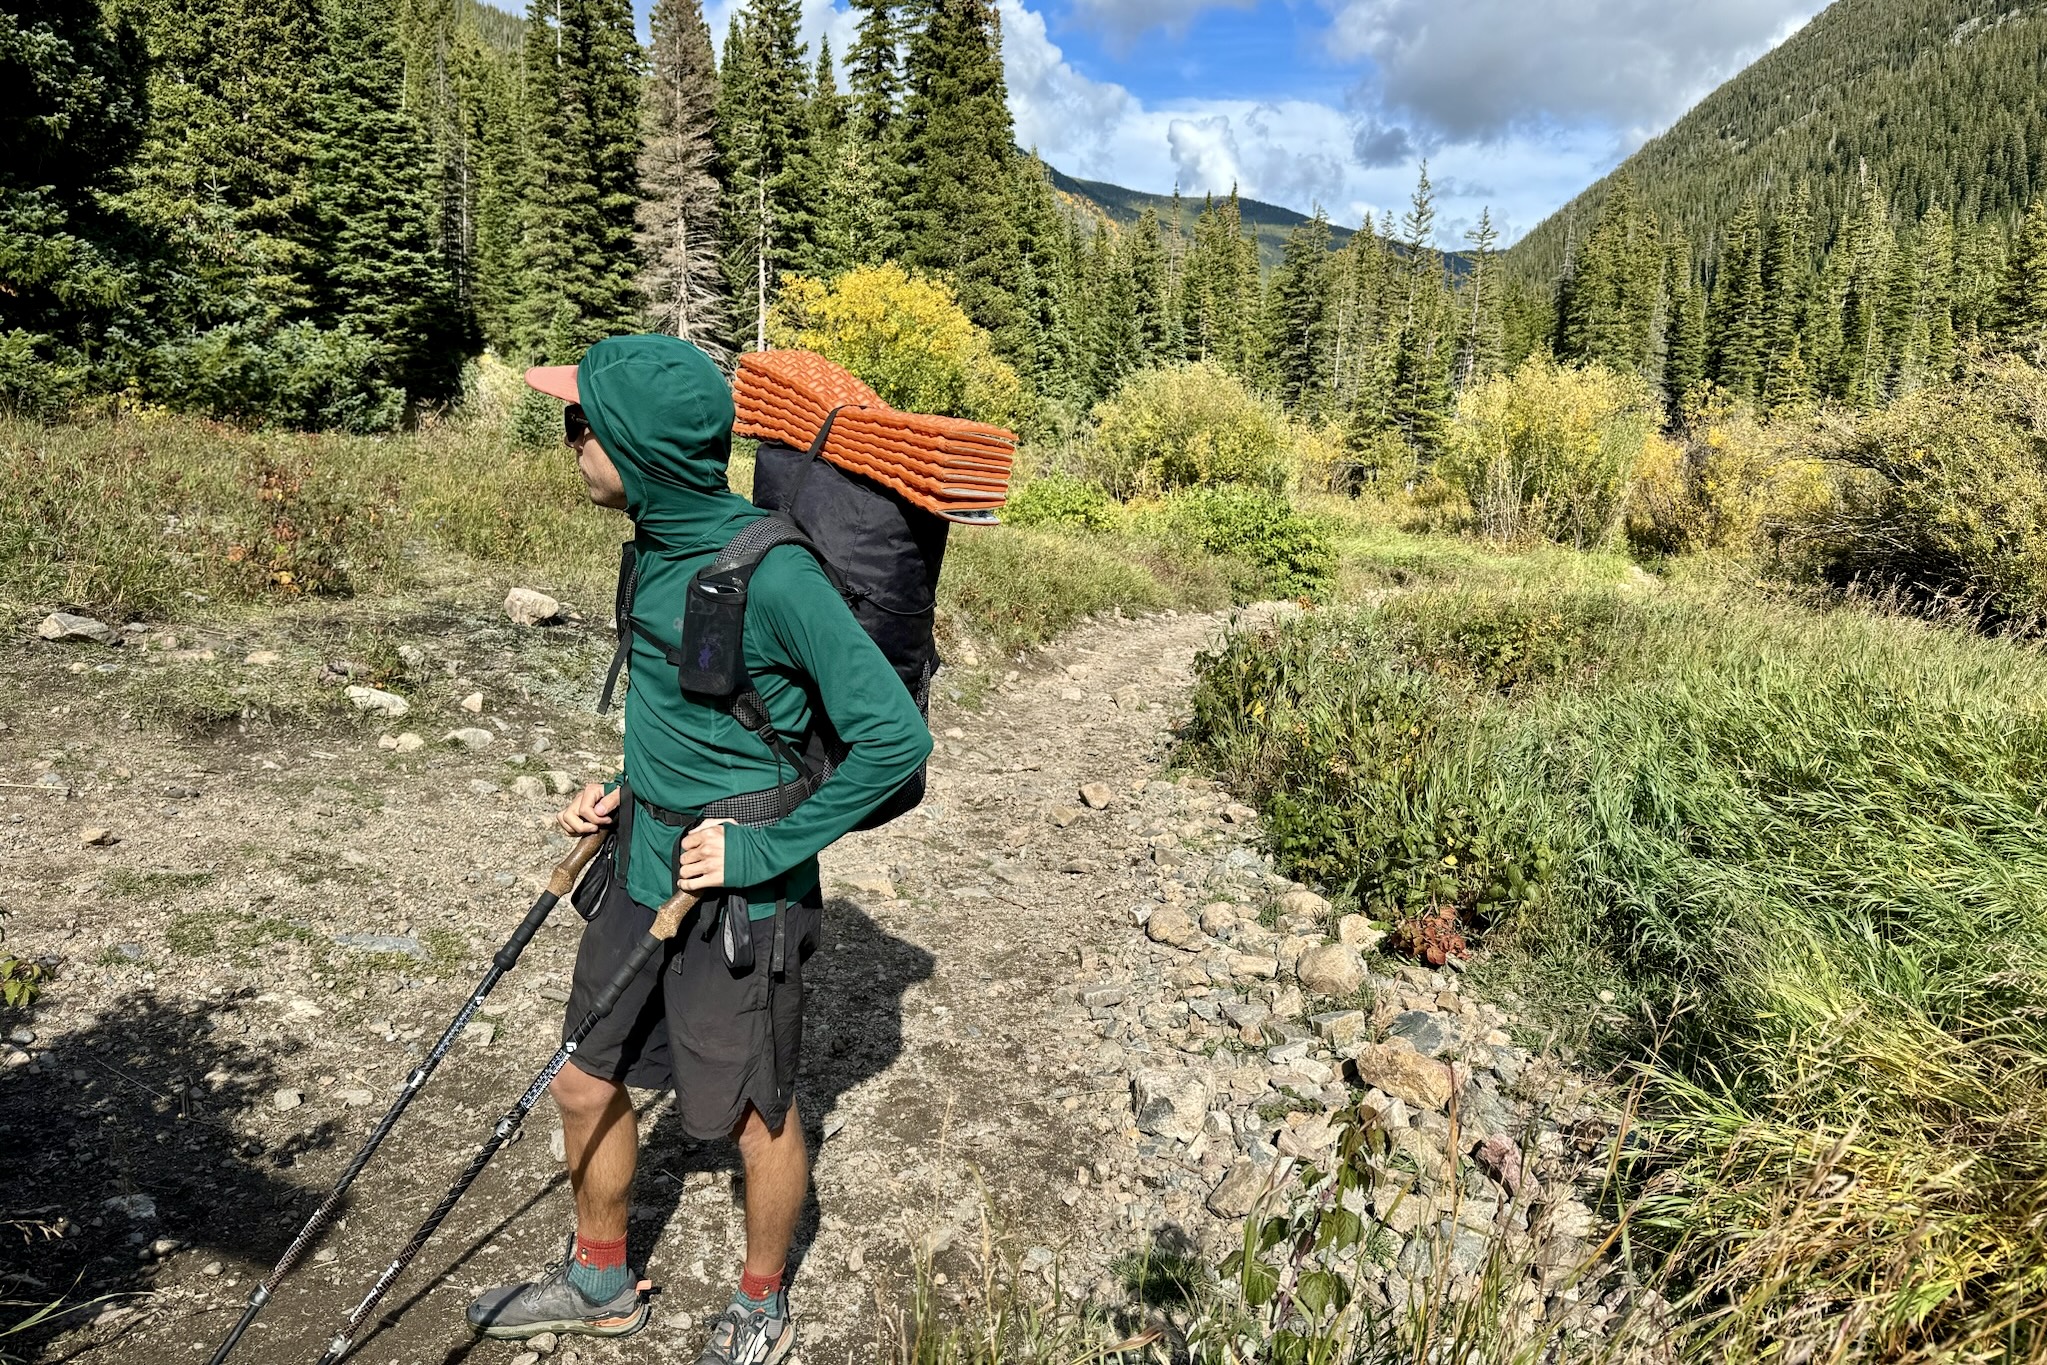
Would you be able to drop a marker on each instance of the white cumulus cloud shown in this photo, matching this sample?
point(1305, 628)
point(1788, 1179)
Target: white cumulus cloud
point(1479, 68)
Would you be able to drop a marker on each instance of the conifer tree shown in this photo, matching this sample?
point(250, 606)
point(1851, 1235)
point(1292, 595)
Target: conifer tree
point(1419, 402)
point(488, 103)
point(1036, 342)
point(760, 115)
point(576, 256)
point(1297, 321)
point(385, 277)
point(225, 173)
point(1144, 255)
point(1611, 305)
point(1685, 352)
point(874, 131)
point(1114, 338)
point(1859, 291)
point(682, 274)
point(1787, 288)
point(1738, 308)
point(2024, 298)
point(826, 174)
point(1481, 349)
point(73, 118)
point(1362, 352)
point(957, 147)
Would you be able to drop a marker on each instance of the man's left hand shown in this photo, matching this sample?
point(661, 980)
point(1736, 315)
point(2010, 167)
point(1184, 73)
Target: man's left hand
point(702, 864)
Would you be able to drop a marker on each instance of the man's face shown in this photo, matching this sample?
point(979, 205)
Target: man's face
point(600, 476)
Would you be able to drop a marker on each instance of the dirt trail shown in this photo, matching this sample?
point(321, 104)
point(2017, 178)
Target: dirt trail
point(283, 924)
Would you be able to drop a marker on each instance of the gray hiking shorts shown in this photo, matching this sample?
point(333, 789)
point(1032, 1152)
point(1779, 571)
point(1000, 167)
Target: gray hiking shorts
point(723, 1040)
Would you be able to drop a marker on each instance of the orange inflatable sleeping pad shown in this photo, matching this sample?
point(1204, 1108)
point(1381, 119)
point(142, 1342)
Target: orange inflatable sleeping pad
point(943, 464)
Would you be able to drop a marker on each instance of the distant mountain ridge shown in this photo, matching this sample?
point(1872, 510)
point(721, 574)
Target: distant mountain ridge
point(1269, 223)
point(1943, 101)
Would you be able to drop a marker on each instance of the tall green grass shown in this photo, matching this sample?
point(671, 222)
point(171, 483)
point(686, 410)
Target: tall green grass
point(1808, 854)
point(175, 517)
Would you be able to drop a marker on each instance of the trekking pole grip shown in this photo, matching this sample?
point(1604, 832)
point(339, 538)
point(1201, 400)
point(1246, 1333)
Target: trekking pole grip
point(563, 879)
point(668, 919)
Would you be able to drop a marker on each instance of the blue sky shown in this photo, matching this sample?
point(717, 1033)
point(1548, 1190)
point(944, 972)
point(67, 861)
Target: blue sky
point(1516, 104)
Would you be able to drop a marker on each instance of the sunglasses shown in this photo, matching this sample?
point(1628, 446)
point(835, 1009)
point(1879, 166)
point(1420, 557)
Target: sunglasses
point(574, 426)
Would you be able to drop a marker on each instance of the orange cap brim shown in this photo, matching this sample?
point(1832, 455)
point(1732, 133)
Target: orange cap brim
point(556, 381)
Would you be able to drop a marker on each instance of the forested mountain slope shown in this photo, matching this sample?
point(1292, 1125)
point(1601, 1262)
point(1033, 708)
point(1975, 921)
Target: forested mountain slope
point(1943, 102)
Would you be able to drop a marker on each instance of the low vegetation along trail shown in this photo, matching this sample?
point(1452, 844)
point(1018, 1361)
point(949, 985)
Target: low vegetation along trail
point(258, 934)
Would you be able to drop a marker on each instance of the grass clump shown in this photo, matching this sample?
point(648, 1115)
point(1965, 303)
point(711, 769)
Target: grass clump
point(1809, 850)
point(1017, 588)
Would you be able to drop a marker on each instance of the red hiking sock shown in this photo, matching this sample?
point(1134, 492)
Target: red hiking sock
point(759, 1288)
point(600, 1255)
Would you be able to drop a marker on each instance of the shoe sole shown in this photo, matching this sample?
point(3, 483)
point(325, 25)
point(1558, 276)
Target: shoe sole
point(584, 1327)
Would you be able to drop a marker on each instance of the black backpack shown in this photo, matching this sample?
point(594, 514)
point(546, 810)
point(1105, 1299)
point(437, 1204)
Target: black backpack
point(882, 553)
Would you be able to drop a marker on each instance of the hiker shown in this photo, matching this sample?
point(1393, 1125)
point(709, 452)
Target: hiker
point(720, 1016)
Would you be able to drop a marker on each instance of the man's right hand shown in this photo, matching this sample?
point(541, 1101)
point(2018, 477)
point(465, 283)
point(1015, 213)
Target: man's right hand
point(589, 811)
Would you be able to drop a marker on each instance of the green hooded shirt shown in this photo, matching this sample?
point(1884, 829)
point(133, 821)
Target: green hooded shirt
point(663, 413)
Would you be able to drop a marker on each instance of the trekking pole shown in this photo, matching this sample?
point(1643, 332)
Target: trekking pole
point(559, 883)
point(667, 920)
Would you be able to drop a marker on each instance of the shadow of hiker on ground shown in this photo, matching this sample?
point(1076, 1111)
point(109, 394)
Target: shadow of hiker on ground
point(121, 1143)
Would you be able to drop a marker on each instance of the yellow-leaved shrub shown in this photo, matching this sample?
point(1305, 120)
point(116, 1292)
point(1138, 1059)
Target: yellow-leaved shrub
point(1547, 451)
point(907, 336)
point(1183, 426)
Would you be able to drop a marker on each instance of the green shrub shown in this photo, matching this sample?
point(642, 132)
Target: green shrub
point(1062, 500)
point(1368, 771)
point(1944, 494)
point(1548, 451)
point(1289, 555)
point(1183, 426)
point(299, 376)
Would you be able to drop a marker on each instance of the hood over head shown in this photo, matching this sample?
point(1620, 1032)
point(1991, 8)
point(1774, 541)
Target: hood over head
point(663, 413)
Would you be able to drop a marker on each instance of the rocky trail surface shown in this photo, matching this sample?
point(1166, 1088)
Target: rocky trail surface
point(1065, 1010)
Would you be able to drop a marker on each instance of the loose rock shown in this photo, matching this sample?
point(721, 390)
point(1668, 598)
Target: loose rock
point(382, 702)
point(1330, 969)
point(1170, 1104)
point(530, 607)
point(64, 625)
point(471, 737)
point(94, 837)
point(1169, 925)
point(1238, 1192)
point(532, 788)
point(1306, 904)
point(1219, 918)
point(1403, 1073)
point(1356, 932)
point(408, 743)
point(288, 1099)
point(1097, 795)
point(473, 703)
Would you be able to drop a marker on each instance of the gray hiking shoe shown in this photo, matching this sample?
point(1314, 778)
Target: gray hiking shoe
point(552, 1304)
point(747, 1335)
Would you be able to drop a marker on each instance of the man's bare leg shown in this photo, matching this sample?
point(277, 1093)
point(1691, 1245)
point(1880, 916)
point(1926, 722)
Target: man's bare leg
point(601, 1138)
point(595, 1293)
point(777, 1177)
